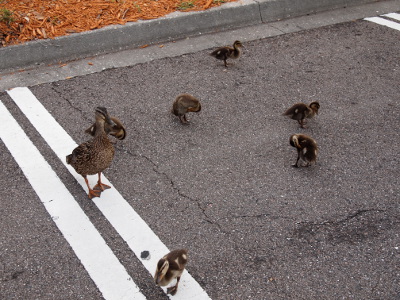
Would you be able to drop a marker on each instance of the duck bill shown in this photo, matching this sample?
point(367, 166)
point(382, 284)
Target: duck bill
point(158, 278)
point(109, 121)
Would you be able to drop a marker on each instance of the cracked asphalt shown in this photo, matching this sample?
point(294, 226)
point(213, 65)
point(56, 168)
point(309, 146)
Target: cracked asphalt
point(223, 186)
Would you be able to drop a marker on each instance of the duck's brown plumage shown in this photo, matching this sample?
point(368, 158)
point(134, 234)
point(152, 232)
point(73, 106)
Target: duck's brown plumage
point(223, 53)
point(170, 267)
point(307, 148)
point(95, 155)
point(301, 111)
point(183, 104)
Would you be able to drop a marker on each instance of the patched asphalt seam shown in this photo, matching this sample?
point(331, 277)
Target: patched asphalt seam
point(347, 218)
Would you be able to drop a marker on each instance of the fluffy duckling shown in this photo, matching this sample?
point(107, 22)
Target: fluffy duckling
point(169, 267)
point(117, 130)
point(96, 155)
point(307, 148)
point(300, 111)
point(224, 53)
point(183, 104)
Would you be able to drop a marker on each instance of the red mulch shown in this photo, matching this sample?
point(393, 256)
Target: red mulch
point(26, 20)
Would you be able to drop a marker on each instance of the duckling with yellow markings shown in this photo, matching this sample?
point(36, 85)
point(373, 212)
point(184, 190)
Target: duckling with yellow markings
point(117, 129)
point(223, 53)
point(307, 149)
point(169, 267)
point(301, 111)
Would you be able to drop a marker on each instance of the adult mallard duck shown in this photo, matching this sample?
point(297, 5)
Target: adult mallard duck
point(169, 267)
point(117, 129)
point(300, 111)
point(307, 148)
point(224, 53)
point(183, 104)
point(96, 155)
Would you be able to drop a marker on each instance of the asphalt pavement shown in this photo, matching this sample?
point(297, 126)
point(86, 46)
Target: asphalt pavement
point(223, 186)
point(176, 25)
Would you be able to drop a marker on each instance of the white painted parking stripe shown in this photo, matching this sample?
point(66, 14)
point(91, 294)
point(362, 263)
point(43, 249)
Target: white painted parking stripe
point(394, 16)
point(129, 225)
point(99, 261)
point(382, 21)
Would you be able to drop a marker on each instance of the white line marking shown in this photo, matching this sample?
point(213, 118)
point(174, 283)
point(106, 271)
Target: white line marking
point(384, 22)
point(394, 16)
point(99, 261)
point(129, 225)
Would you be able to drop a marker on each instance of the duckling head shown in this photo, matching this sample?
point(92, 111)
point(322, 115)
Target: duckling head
point(237, 44)
point(161, 271)
point(314, 106)
point(294, 141)
point(196, 108)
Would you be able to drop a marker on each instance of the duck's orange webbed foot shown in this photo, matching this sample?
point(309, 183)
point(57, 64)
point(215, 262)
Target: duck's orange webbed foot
point(101, 187)
point(93, 194)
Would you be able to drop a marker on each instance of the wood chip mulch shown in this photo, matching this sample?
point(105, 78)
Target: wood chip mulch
point(26, 20)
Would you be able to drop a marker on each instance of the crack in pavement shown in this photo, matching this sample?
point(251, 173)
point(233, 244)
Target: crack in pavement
point(54, 86)
point(176, 189)
point(261, 216)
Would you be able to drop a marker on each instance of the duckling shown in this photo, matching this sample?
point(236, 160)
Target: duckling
point(117, 130)
point(300, 111)
point(224, 53)
point(183, 104)
point(95, 155)
point(307, 148)
point(169, 267)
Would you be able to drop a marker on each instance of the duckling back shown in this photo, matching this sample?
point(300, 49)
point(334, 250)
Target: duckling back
point(185, 103)
point(298, 111)
point(309, 149)
point(306, 146)
point(222, 53)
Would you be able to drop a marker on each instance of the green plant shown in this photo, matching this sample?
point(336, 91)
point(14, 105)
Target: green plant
point(137, 7)
point(185, 5)
point(219, 1)
point(55, 20)
point(6, 16)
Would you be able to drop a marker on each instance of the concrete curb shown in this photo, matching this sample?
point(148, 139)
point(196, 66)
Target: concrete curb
point(174, 26)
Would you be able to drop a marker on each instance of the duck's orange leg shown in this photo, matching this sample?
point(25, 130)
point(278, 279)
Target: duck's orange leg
point(101, 186)
point(91, 193)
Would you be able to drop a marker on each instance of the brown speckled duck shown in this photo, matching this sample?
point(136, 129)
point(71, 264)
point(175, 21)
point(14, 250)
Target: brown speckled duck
point(170, 267)
point(224, 53)
point(183, 104)
point(307, 149)
point(301, 111)
point(96, 155)
point(117, 129)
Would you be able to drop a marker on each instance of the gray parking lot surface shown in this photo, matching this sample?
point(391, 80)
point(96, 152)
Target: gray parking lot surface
point(223, 186)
